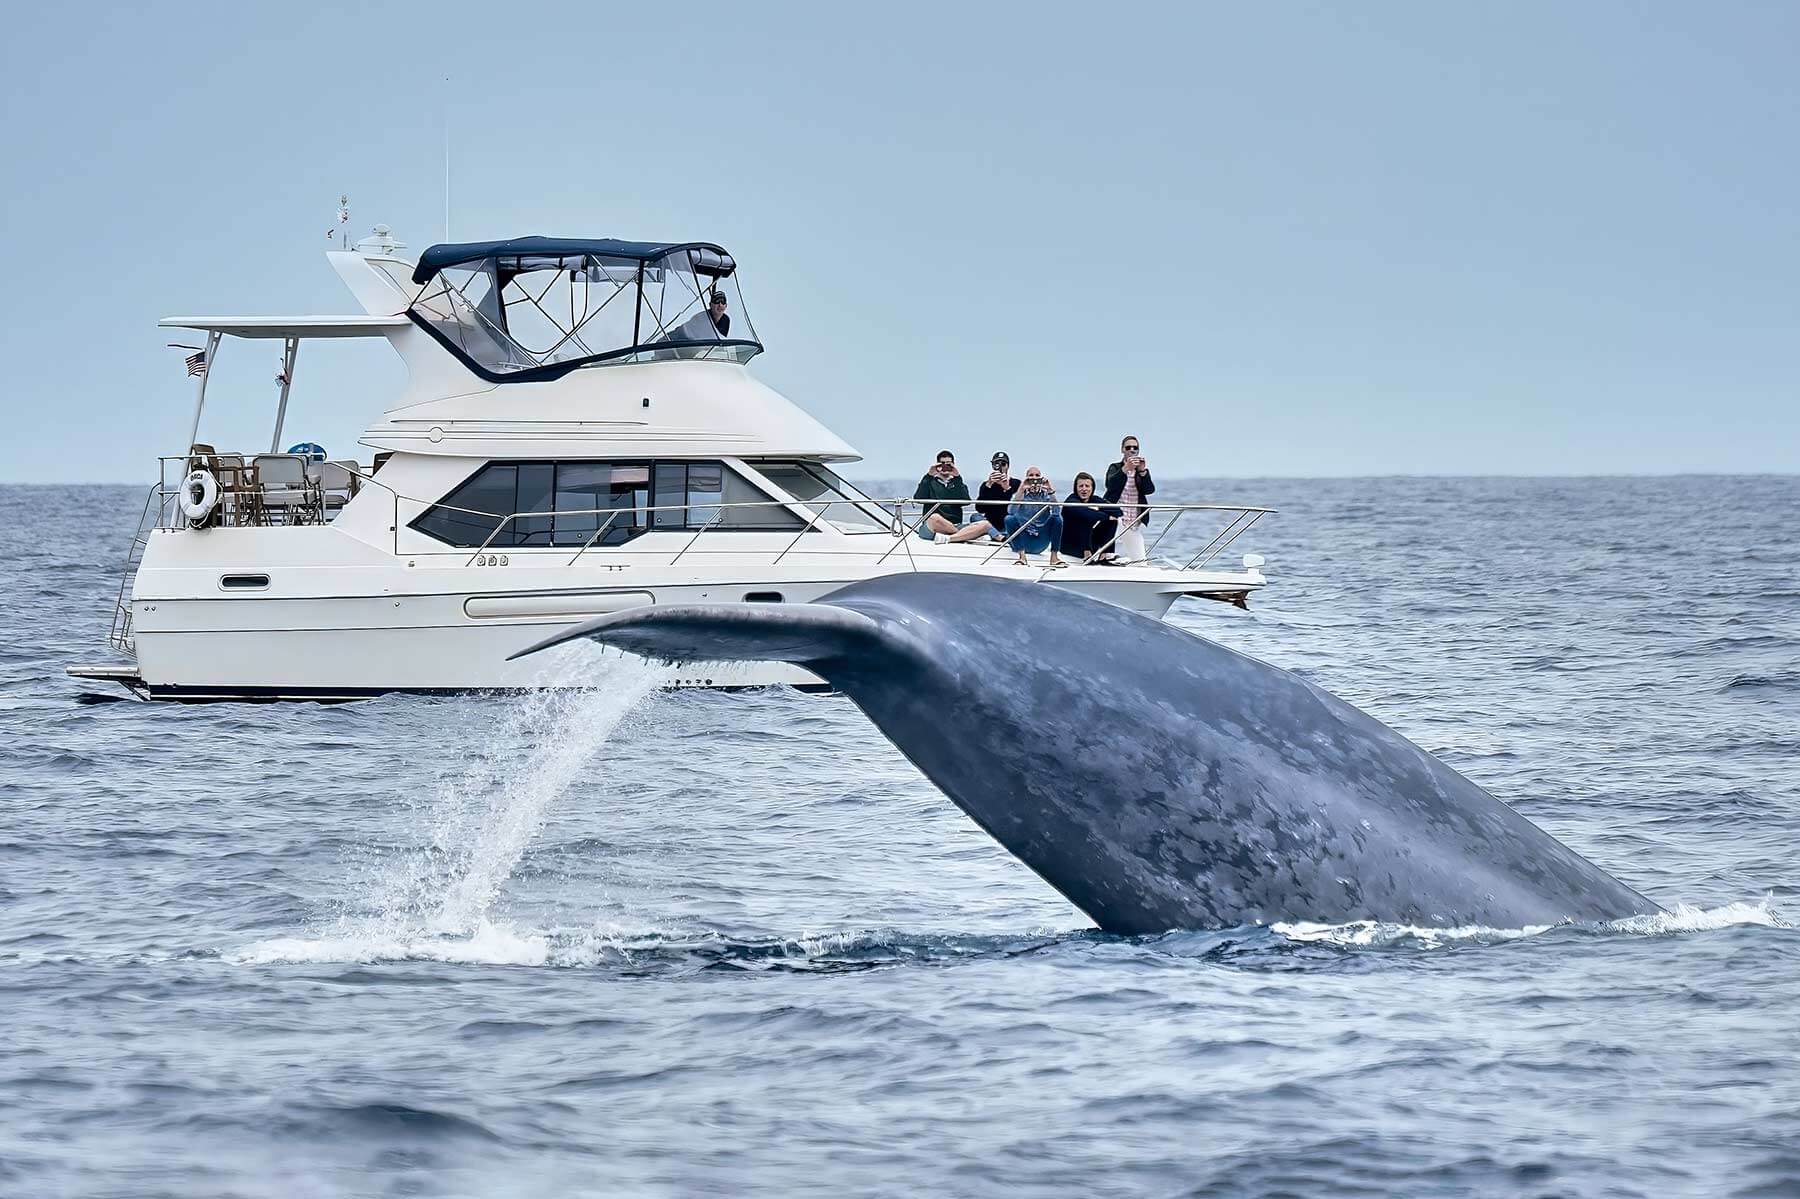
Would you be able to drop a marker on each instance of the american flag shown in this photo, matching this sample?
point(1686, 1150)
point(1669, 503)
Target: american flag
point(197, 363)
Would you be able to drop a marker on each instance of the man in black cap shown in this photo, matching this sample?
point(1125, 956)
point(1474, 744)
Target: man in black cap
point(710, 325)
point(996, 493)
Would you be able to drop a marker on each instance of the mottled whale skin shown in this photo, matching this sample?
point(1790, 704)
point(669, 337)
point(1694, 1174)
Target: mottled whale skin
point(1156, 779)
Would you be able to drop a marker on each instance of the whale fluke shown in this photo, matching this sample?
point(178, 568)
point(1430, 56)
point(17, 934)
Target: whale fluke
point(806, 634)
point(1155, 778)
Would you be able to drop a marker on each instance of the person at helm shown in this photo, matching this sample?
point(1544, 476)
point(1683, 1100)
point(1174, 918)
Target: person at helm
point(710, 324)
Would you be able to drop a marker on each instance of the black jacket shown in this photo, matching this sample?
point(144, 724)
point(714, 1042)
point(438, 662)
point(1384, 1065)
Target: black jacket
point(995, 513)
point(1115, 486)
point(1078, 538)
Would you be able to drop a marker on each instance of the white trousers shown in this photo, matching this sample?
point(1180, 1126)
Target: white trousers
point(1130, 544)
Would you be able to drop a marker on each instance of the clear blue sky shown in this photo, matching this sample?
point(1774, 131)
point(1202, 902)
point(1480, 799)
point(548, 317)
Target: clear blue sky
point(1270, 239)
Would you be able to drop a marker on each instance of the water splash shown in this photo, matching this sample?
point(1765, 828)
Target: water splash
point(1372, 934)
point(1685, 918)
point(1682, 918)
point(435, 901)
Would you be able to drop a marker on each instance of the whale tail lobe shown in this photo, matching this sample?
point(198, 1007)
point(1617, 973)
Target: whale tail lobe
point(805, 634)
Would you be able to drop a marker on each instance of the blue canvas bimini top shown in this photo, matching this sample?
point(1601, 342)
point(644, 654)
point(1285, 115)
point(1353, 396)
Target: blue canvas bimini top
point(552, 253)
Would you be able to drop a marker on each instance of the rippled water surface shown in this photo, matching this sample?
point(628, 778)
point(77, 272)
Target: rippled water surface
point(622, 941)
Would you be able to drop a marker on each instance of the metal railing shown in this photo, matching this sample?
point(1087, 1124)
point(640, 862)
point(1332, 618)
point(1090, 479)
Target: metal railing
point(247, 499)
point(642, 521)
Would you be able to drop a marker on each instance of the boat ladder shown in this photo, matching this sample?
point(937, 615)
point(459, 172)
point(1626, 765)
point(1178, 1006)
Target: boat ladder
point(119, 636)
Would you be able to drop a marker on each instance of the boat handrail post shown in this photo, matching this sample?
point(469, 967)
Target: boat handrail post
point(1166, 530)
point(212, 348)
point(803, 532)
point(1106, 546)
point(715, 518)
point(492, 533)
point(1206, 554)
point(598, 533)
point(911, 530)
point(1219, 543)
point(289, 352)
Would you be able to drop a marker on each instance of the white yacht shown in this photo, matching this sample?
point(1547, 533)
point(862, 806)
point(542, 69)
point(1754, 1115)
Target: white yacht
point(579, 434)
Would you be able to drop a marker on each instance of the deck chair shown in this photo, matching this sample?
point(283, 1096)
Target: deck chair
point(337, 486)
point(285, 490)
point(237, 489)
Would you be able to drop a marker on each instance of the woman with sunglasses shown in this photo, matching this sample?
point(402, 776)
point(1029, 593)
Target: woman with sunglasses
point(1034, 523)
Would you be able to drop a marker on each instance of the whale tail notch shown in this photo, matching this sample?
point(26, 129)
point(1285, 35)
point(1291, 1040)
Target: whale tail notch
point(804, 634)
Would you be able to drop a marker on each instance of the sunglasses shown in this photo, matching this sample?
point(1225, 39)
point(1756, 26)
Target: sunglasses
point(1131, 449)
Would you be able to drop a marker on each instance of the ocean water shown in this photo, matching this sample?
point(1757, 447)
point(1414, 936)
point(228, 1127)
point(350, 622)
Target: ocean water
point(619, 941)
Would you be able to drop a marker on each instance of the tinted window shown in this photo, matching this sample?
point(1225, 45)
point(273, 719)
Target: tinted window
point(815, 485)
point(473, 511)
point(576, 500)
point(590, 495)
point(537, 493)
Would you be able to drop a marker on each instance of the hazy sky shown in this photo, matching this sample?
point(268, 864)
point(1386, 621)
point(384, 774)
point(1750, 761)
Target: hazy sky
point(1270, 239)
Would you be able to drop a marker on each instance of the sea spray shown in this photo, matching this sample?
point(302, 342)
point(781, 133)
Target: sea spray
point(433, 900)
point(561, 731)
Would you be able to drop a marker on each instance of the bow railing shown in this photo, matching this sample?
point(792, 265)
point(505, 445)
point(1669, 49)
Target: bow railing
point(643, 519)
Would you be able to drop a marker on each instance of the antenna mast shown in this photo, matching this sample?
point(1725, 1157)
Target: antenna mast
point(446, 158)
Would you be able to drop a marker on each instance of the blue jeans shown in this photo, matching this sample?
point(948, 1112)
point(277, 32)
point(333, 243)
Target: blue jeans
point(1045, 534)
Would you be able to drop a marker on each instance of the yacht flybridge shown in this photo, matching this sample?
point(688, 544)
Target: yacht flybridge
point(578, 435)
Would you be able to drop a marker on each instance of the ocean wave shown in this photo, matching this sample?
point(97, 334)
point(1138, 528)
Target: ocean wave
point(500, 944)
point(650, 950)
point(1780, 681)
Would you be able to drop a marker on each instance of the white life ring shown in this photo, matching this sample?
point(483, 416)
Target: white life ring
point(199, 496)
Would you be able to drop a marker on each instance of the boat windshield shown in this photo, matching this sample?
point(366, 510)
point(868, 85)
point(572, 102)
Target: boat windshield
point(536, 308)
point(820, 489)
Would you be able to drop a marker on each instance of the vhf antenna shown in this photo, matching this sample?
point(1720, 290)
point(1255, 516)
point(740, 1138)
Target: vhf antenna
point(446, 158)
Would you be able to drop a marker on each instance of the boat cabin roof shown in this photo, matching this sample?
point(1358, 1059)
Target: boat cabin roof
point(284, 327)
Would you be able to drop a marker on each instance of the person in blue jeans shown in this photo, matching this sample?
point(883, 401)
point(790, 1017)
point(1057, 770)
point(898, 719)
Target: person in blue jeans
point(1033, 522)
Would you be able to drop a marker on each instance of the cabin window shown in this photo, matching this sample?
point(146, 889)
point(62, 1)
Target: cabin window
point(821, 490)
point(589, 495)
point(568, 503)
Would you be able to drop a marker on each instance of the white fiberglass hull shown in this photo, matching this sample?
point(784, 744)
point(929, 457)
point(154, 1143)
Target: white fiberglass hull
point(324, 630)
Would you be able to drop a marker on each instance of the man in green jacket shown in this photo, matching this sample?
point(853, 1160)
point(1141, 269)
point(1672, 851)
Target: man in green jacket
point(944, 493)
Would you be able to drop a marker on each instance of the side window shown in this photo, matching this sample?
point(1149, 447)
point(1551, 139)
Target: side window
point(537, 496)
point(706, 491)
point(702, 495)
point(569, 502)
point(473, 511)
point(671, 494)
point(590, 495)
